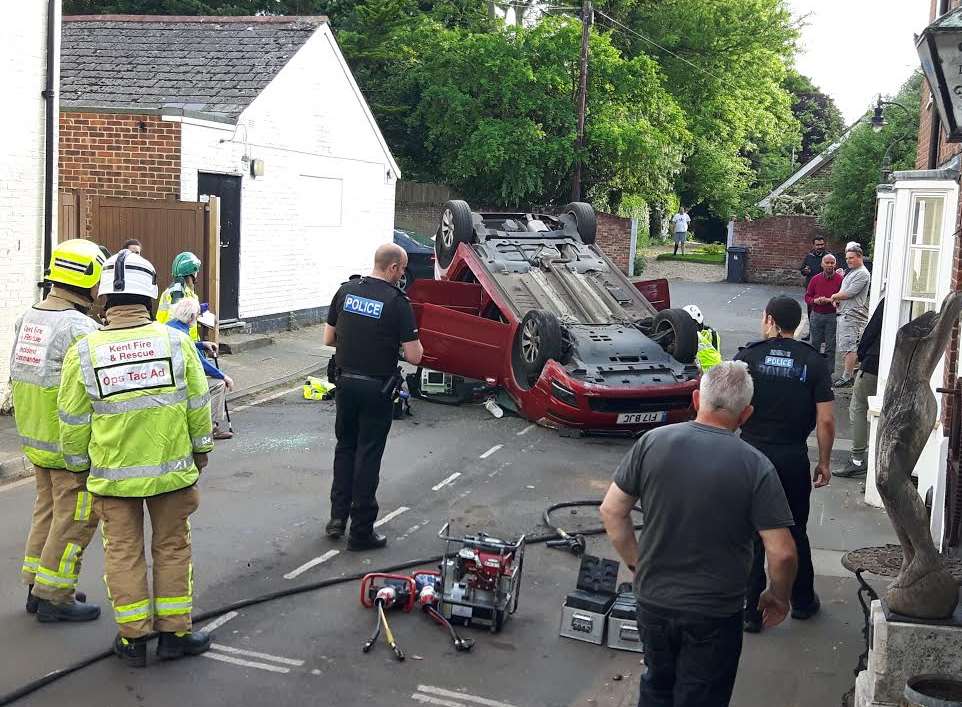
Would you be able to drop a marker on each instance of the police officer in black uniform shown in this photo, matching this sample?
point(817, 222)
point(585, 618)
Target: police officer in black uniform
point(793, 396)
point(369, 319)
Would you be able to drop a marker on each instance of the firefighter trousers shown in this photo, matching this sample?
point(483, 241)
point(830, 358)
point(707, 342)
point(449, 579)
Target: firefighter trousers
point(63, 524)
point(125, 564)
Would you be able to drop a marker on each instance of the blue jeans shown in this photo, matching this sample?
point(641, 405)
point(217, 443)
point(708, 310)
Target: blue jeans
point(692, 660)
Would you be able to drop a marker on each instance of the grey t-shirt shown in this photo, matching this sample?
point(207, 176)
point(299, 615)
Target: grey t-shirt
point(856, 283)
point(705, 494)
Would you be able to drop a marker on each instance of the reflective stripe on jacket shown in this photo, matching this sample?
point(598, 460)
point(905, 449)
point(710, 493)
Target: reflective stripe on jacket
point(43, 338)
point(134, 408)
point(169, 297)
point(709, 349)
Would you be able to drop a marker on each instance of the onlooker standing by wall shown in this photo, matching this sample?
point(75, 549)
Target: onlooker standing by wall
point(680, 222)
point(852, 304)
point(133, 245)
point(812, 266)
point(866, 385)
point(822, 317)
point(691, 622)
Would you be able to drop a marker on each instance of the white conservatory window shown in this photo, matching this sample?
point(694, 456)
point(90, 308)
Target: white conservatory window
point(888, 225)
point(925, 237)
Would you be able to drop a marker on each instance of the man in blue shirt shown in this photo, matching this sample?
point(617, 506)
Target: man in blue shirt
point(183, 316)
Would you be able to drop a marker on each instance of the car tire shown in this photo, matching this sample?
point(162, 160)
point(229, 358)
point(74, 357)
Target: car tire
point(539, 338)
point(456, 226)
point(585, 220)
point(407, 279)
point(676, 332)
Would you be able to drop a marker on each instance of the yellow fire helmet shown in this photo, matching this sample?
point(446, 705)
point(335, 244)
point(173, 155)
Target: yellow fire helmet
point(76, 262)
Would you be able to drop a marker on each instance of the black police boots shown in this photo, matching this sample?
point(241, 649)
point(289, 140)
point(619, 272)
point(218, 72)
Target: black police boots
point(177, 645)
point(32, 601)
point(335, 528)
point(803, 613)
point(49, 612)
point(133, 651)
point(358, 543)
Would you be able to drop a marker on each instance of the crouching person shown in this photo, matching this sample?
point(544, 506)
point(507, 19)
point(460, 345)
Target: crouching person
point(183, 318)
point(692, 558)
point(135, 410)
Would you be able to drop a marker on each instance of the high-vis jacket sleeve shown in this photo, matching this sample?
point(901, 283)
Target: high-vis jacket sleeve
point(75, 410)
point(198, 400)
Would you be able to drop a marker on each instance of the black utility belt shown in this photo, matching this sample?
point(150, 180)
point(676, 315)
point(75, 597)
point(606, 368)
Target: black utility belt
point(362, 377)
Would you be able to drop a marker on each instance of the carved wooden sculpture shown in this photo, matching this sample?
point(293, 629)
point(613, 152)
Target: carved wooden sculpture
point(923, 589)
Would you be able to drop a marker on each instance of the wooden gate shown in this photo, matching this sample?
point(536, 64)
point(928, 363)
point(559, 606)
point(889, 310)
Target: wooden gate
point(69, 219)
point(165, 228)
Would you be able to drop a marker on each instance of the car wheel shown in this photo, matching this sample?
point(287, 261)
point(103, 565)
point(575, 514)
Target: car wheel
point(539, 339)
point(585, 220)
point(676, 332)
point(406, 280)
point(456, 227)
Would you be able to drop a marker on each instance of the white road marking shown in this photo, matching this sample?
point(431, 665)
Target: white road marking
point(438, 487)
point(312, 563)
point(441, 692)
point(245, 663)
point(739, 295)
point(391, 516)
point(413, 529)
point(418, 697)
point(491, 451)
point(254, 654)
point(275, 396)
point(218, 622)
point(526, 430)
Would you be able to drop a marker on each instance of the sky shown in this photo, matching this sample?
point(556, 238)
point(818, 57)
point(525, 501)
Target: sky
point(855, 49)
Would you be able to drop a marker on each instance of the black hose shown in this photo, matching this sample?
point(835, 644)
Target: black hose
point(55, 675)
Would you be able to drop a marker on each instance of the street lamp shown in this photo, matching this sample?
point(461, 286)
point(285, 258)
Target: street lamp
point(940, 50)
point(878, 116)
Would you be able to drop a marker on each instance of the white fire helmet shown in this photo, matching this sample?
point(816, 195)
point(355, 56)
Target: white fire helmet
point(128, 273)
point(695, 313)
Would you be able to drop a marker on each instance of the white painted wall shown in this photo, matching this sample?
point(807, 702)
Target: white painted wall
point(23, 42)
point(326, 200)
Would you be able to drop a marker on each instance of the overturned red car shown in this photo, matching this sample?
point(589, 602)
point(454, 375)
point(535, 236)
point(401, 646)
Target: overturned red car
point(529, 302)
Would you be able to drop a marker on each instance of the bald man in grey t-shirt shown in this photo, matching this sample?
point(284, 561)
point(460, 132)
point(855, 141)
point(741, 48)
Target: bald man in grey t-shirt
point(851, 303)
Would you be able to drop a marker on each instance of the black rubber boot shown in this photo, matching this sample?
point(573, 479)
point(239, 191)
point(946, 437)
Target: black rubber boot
point(335, 528)
point(32, 601)
point(373, 541)
point(49, 612)
point(176, 645)
point(133, 651)
point(803, 613)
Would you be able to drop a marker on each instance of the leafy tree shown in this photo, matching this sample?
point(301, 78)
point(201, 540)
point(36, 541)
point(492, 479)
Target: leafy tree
point(820, 119)
point(849, 213)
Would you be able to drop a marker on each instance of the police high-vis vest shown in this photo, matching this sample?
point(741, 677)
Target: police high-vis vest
point(174, 294)
point(134, 408)
point(709, 349)
point(43, 338)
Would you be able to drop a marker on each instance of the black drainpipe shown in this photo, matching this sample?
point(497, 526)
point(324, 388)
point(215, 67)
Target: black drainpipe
point(50, 149)
point(936, 125)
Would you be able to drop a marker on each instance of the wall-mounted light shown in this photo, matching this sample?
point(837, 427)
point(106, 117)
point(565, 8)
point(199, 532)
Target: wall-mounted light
point(940, 51)
point(257, 168)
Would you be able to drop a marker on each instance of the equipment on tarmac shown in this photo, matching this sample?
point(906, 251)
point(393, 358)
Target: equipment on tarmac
point(385, 591)
point(481, 583)
point(318, 389)
point(584, 614)
point(76, 262)
point(447, 389)
point(623, 634)
point(428, 583)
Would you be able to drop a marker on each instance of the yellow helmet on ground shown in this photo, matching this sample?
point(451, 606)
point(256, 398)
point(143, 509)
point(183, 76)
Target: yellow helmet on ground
point(76, 262)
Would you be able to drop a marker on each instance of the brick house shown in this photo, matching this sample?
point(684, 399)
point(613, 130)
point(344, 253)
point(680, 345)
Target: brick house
point(23, 63)
point(777, 242)
point(917, 264)
point(184, 107)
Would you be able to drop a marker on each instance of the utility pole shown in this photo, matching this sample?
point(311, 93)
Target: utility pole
point(586, 18)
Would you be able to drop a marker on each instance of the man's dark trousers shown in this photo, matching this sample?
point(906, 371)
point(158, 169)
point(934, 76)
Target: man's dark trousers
point(692, 660)
point(364, 417)
point(794, 471)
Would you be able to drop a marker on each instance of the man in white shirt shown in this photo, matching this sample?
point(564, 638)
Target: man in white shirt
point(680, 222)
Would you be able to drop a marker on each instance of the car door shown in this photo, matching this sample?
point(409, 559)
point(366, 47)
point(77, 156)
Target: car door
point(456, 338)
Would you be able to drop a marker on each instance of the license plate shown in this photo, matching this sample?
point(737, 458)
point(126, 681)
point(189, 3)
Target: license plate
point(641, 418)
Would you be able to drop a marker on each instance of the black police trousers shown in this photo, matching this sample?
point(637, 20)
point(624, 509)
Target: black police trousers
point(795, 472)
point(364, 417)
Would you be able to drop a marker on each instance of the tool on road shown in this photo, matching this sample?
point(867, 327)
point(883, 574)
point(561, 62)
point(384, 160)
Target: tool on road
point(428, 583)
point(385, 591)
point(481, 583)
point(584, 614)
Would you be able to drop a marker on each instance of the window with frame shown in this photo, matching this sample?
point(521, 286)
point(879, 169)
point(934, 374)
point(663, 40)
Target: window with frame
point(888, 224)
point(924, 251)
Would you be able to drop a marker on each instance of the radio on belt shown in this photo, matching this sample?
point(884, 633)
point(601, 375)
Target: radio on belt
point(584, 615)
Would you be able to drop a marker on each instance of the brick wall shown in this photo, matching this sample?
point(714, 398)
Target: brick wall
point(614, 238)
point(22, 65)
point(120, 155)
point(777, 245)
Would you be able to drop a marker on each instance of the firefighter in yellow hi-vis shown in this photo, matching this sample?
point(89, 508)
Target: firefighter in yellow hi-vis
point(135, 409)
point(62, 519)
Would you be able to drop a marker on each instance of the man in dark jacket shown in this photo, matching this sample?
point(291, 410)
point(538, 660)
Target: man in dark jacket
point(866, 384)
point(812, 265)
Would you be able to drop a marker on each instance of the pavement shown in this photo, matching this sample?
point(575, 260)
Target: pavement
point(260, 529)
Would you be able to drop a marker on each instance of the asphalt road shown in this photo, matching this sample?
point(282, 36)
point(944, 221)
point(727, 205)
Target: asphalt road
point(260, 529)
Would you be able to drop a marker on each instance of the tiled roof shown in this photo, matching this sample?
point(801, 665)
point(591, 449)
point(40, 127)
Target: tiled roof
point(209, 65)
